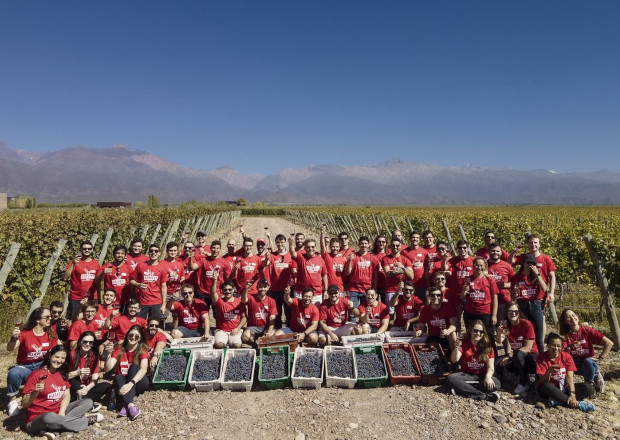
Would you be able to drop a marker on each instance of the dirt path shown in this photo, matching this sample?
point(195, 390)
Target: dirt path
point(391, 412)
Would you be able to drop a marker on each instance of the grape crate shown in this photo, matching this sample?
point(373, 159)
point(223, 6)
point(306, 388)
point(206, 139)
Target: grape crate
point(432, 363)
point(274, 367)
point(308, 365)
point(172, 368)
point(402, 363)
point(239, 369)
point(369, 365)
point(340, 364)
point(207, 369)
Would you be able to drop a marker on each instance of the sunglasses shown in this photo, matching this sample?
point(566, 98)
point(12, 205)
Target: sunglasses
point(440, 279)
point(407, 290)
point(477, 331)
point(513, 312)
point(88, 342)
point(153, 325)
point(462, 247)
point(187, 293)
point(87, 249)
point(133, 336)
point(153, 251)
point(188, 248)
point(435, 295)
point(227, 290)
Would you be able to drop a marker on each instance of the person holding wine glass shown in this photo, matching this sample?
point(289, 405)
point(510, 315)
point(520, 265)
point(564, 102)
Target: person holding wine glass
point(84, 371)
point(33, 341)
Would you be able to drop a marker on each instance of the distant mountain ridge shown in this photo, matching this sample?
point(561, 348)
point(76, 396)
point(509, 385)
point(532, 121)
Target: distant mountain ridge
point(81, 174)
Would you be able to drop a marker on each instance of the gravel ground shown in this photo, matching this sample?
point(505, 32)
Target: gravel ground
point(393, 412)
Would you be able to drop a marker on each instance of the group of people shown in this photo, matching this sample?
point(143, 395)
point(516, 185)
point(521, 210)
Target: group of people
point(114, 331)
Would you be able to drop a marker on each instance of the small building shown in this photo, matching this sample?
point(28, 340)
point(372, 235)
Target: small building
point(113, 204)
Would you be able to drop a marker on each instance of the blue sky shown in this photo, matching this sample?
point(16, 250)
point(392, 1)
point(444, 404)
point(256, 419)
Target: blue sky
point(263, 85)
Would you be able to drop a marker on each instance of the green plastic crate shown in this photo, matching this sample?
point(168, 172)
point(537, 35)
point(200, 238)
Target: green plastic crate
point(273, 384)
point(371, 382)
point(173, 385)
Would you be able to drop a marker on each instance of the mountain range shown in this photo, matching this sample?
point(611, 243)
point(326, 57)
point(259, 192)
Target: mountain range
point(81, 174)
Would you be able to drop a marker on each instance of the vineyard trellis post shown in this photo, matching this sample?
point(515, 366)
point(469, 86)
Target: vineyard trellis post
point(409, 224)
point(605, 292)
point(192, 236)
point(448, 235)
point(106, 244)
point(145, 230)
point(155, 233)
point(132, 232)
point(464, 237)
point(47, 276)
point(395, 223)
point(8, 263)
point(93, 239)
point(366, 224)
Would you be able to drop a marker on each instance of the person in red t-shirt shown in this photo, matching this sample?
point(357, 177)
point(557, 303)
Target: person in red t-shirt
point(579, 343)
point(517, 336)
point(202, 247)
point(191, 315)
point(81, 271)
point(59, 325)
point(84, 370)
point(429, 244)
point(150, 280)
point(379, 250)
point(248, 267)
point(334, 313)
point(397, 269)
point(130, 361)
point(311, 269)
point(335, 262)
point(418, 256)
point(156, 339)
point(544, 263)
point(230, 316)
point(47, 397)
point(187, 258)
point(262, 312)
point(480, 296)
point(176, 271)
point(406, 307)
point(115, 275)
point(88, 322)
point(440, 263)
point(485, 251)
point(359, 272)
point(461, 267)
point(374, 315)
point(449, 296)
point(118, 324)
point(279, 274)
point(476, 356)
point(135, 255)
point(438, 321)
point(204, 272)
point(502, 272)
point(304, 317)
point(555, 370)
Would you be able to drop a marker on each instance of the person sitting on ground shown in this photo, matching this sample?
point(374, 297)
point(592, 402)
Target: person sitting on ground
point(47, 398)
point(120, 324)
point(406, 307)
point(304, 316)
point(476, 356)
point(518, 338)
point(334, 313)
point(191, 315)
point(86, 323)
point(230, 314)
point(262, 312)
point(374, 315)
point(156, 339)
point(579, 343)
point(555, 370)
point(130, 362)
point(33, 341)
point(84, 371)
point(438, 321)
point(59, 325)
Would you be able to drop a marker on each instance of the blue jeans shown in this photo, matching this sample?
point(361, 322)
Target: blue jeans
point(18, 375)
point(587, 368)
point(356, 298)
point(533, 312)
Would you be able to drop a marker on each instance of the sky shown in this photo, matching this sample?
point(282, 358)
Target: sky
point(263, 85)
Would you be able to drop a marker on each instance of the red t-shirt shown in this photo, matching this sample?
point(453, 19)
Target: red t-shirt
point(436, 320)
point(153, 275)
point(310, 272)
point(250, 269)
point(564, 360)
point(405, 310)
point(469, 358)
point(437, 267)
point(520, 333)
point(392, 282)
point(176, 275)
point(133, 261)
point(204, 273)
point(379, 272)
point(479, 296)
point(586, 336)
point(121, 324)
point(123, 364)
point(228, 314)
point(119, 283)
point(462, 272)
point(50, 398)
point(156, 339)
point(417, 258)
point(302, 317)
point(190, 315)
point(82, 363)
point(33, 348)
point(334, 315)
point(335, 266)
point(80, 326)
point(82, 276)
point(502, 272)
point(375, 314)
point(259, 310)
point(280, 271)
point(100, 317)
point(432, 253)
point(528, 291)
point(362, 270)
point(544, 263)
point(453, 298)
point(486, 254)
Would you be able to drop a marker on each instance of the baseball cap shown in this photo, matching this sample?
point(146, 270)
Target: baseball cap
point(201, 233)
point(261, 240)
point(333, 288)
point(529, 259)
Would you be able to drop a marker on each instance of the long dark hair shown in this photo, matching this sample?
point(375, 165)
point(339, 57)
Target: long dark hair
point(64, 368)
point(375, 247)
point(484, 345)
point(141, 348)
point(32, 322)
point(564, 328)
point(92, 357)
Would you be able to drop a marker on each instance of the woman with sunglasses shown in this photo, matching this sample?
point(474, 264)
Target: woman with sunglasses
point(579, 343)
point(518, 339)
point(555, 371)
point(33, 341)
point(480, 296)
point(476, 356)
point(131, 362)
point(47, 396)
point(438, 321)
point(84, 371)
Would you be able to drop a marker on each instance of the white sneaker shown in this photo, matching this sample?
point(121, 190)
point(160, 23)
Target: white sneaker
point(13, 408)
point(96, 407)
point(520, 389)
point(48, 435)
point(599, 382)
point(94, 418)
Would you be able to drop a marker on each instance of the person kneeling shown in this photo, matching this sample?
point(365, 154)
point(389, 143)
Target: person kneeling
point(304, 316)
point(262, 312)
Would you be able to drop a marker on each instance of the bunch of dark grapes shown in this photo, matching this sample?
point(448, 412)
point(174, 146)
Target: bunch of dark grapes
point(274, 367)
point(340, 364)
point(432, 362)
point(369, 365)
point(402, 363)
point(172, 368)
point(239, 369)
point(308, 365)
point(206, 369)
